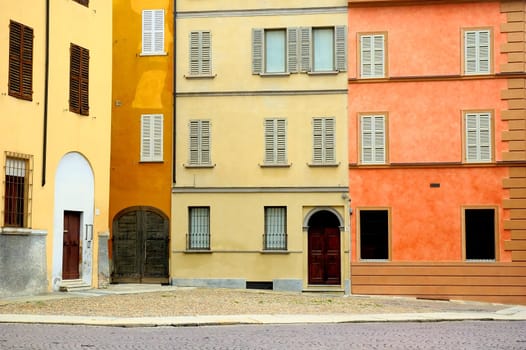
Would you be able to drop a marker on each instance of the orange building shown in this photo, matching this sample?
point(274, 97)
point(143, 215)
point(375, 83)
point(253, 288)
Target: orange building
point(141, 156)
point(437, 162)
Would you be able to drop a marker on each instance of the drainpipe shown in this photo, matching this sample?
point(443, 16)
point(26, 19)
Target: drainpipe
point(46, 92)
point(174, 93)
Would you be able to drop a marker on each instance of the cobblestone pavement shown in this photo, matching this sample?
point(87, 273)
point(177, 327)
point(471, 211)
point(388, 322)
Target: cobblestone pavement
point(172, 301)
point(438, 335)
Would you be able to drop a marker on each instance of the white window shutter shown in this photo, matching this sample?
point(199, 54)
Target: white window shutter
point(200, 53)
point(379, 56)
point(206, 53)
point(373, 139)
point(153, 31)
point(194, 142)
point(323, 141)
point(470, 42)
point(205, 142)
point(269, 140)
point(157, 136)
point(340, 48)
point(146, 138)
point(194, 53)
point(485, 137)
point(257, 50)
point(484, 51)
point(379, 139)
point(329, 141)
point(477, 55)
point(292, 50)
point(275, 141)
point(305, 48)
point(281, 141)
point(372, 56)
point(317, 151)
point(478, 137)
point(367, 139)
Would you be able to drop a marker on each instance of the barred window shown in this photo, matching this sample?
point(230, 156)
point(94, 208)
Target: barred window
point(199, 230)
point(275, 237)
point(16, 196)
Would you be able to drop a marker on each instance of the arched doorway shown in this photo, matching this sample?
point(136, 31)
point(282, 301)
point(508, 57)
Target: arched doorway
point(140, 246)
point(324, 249)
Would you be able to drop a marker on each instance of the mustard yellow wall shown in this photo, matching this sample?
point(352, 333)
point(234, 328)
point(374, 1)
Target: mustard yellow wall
point(141, 85)
point(89, 27)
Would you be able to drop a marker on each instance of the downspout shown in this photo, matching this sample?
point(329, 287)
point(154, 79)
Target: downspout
point(174, 93)
point(46, 92)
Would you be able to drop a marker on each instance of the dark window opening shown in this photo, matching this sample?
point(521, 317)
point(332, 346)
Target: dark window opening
point(259, 285)
point(480, 234)
point(374, 234)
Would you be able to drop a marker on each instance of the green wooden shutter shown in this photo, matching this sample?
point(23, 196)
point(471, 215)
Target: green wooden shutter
point(340, 48)
point(292, 50)
point(257, 50)
point(305, 48)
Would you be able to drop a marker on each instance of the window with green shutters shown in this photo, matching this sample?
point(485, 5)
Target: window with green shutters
point(200, 53)
point(275, 237)
point(299, 49)
point(373, 139)
point(323, 141)
point(199, 143)
point(372, 56)
point(20, 80)
point(152, 138)
point(477, 51)
point(79, 80)
point(275, 141)
point(478, 137)
point(153, 32)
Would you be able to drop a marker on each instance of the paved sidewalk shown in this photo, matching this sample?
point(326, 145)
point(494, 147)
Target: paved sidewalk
point(449, 312)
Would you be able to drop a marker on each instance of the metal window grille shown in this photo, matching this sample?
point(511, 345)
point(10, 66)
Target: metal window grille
point(16, 193)
point(199, 236)
point(275, 237)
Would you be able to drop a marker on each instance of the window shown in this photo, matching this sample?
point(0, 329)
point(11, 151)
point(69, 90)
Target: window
point(479, 230)
point(323, 141)
point(79, 80)
point(372, 56)
point(20, 79)
point(200, 54)
point(374, 234)
point(373, 136)
point(477, 51)
point(304, 49)
point(199, 142)
point(199, 228)
point(17, 195)
point(275, 141)
point(152, 138)
point(275, 237)
point(153, 32)
point(478, 138)
point(82, 2)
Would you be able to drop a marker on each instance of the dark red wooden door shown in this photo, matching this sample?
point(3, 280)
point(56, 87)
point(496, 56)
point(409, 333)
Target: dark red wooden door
point(71, 246)
point(324, 255)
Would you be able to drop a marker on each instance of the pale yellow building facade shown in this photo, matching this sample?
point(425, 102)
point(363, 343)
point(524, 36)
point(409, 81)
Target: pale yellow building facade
point(55, 93)
point(260, 197)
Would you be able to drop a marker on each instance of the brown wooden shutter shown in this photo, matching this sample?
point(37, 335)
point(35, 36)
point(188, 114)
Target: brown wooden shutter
point(79, 80)
point(83, 2)
point(20, 61)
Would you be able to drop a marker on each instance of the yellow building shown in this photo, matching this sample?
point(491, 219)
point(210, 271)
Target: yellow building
point(55, 71)
point(260, 197)
point(141, 166)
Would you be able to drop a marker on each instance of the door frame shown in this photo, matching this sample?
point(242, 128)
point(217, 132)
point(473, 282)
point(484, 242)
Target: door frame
point(307, 228)
point(141, 276)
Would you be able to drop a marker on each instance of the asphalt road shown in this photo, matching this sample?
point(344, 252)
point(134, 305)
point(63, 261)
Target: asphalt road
point(426, 335)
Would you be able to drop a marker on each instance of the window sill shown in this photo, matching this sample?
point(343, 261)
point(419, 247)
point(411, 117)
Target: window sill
point(21, 231)
point(198, 251)
point(483, 261)
point(282, 74)
point(375, 260)
point(478, 162)
point(285, 165)
point(373, 164)
point(323, 165)
point(151, 161)
point(476, 74)
point(330, 72)
point(208, 76)
point(270, 251)
point(199, 166)
point(142, 54)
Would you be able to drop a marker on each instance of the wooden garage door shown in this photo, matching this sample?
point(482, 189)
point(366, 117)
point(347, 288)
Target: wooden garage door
point(140, 246)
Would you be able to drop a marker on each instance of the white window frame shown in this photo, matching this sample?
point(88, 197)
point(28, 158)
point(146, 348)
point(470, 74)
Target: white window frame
point(152, 136)
point(275, 141)
point(373, 54)
point(324, 141)
point(199, 143)
point(373, 138)
point(153, 32)
point(477, 51)
point(200, 53)
point(275, 237)
point(198, 228)
point(478, 137)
